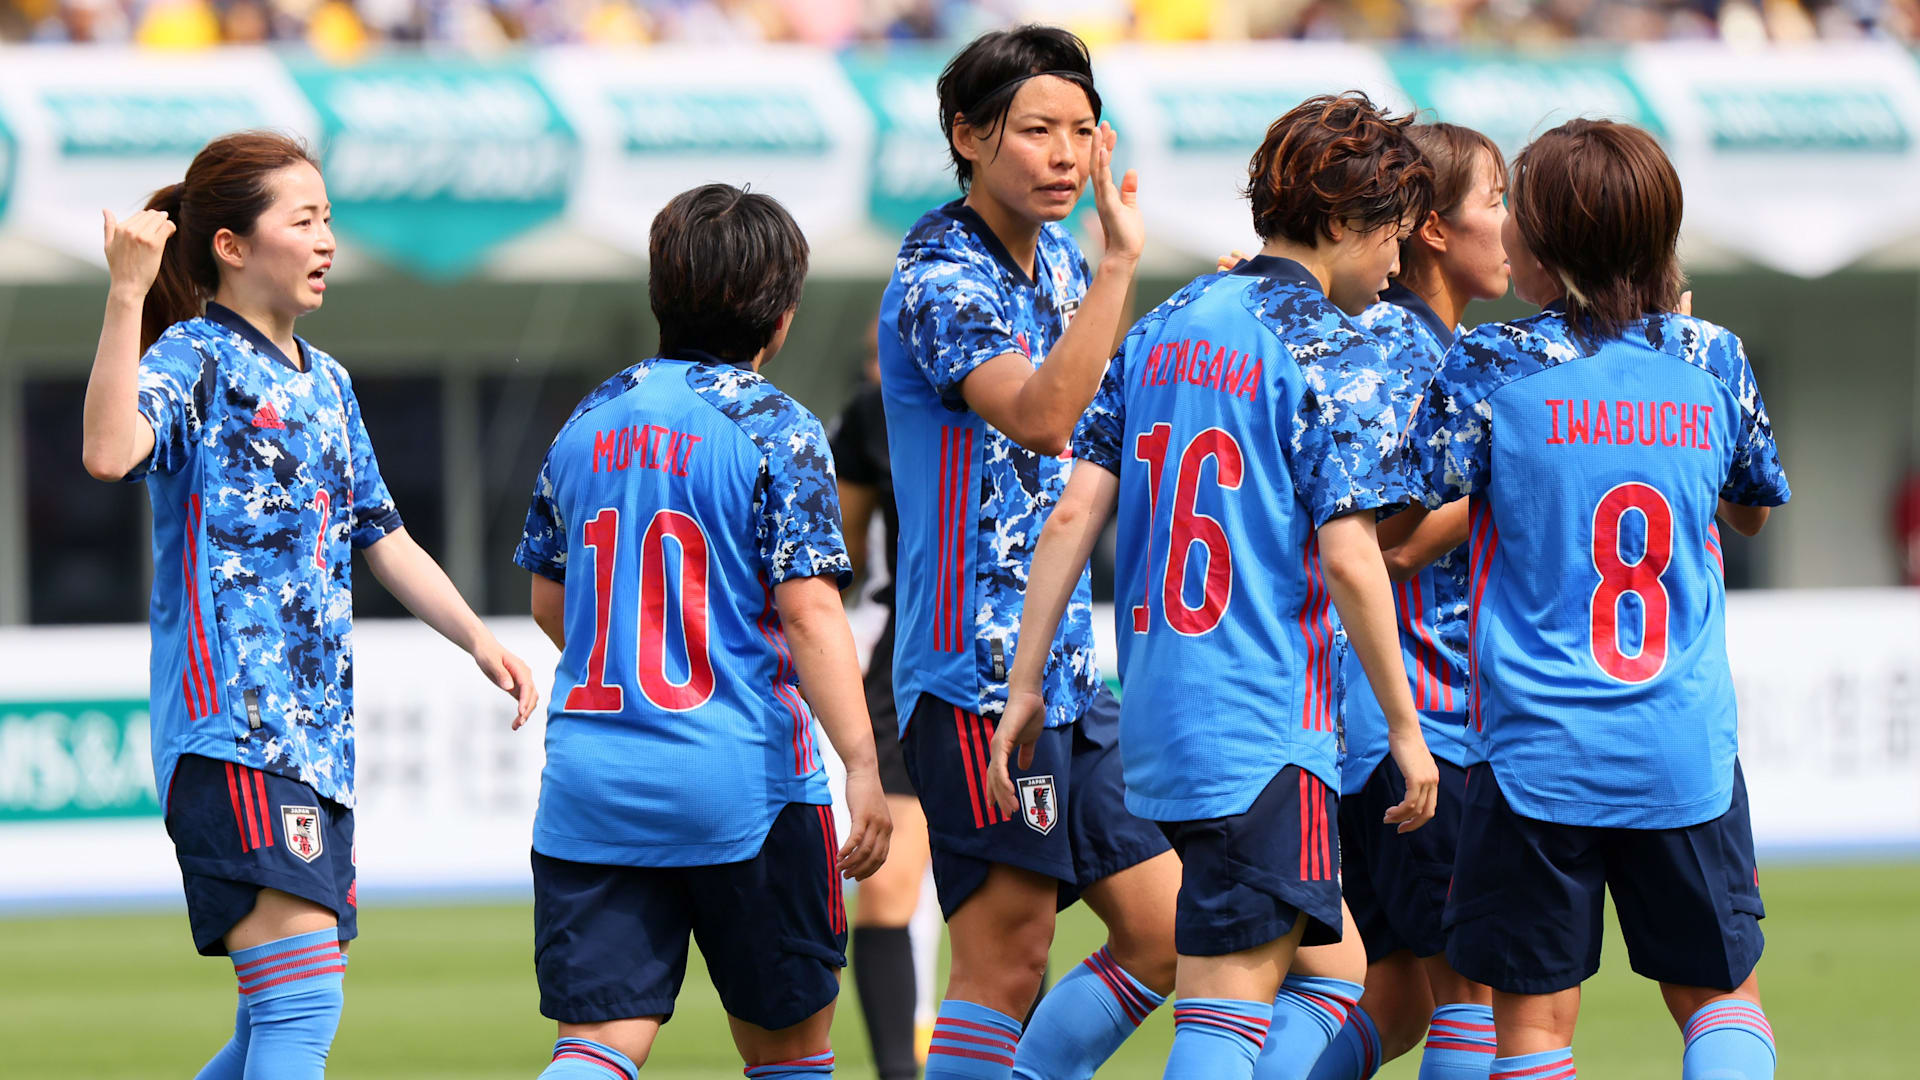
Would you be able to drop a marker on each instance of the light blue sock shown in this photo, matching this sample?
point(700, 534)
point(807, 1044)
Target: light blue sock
point(1459, 1044)
point(1217, 1038)
point(1083, 1020)
point(1728, 1039)
point(584, 1059)
point(1354, 1053)
point(813, 1065)
point(1307, 1013)
point(230, 1063)
point(293, 990)
point(1546, 1065)
point(972, 1042)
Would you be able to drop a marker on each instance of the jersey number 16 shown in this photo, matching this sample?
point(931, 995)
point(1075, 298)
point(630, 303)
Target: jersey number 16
point(1189, 527)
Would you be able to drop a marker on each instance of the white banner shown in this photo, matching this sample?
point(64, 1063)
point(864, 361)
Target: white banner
point(1829, 686)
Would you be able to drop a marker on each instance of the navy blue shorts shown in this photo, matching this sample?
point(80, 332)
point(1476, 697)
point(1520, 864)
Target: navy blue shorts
point(238, 830)
point(1396, 883)
point(610, 942)
point(1528, 896)
point(1245, 880)
point(1072, 824)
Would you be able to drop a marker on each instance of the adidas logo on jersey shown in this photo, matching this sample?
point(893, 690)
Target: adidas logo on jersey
point(266, 416)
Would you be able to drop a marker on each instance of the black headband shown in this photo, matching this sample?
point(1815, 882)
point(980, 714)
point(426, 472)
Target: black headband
point(1077, 78)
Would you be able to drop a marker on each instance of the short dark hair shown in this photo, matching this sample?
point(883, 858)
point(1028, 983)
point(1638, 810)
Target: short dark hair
point(978, 85)
point(725, 264)
point(1599, 205)
point(1336, 157)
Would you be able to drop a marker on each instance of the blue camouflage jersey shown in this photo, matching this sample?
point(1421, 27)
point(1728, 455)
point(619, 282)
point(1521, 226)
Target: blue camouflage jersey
point(1597, 621)
point(261, 477)
point(672, 502)
point(1240, 416)
point(1432, 605)
point(972, 500)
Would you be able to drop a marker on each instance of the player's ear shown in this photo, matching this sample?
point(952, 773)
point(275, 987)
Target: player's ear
point(962, 138)
point(1433, 231)
point(229, 249)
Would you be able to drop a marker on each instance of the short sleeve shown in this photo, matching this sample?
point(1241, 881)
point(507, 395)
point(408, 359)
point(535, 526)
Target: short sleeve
point(374, 514)
point(1097, 438)
point(1449, 448)
point(543, 542)
point(799, 531)
point(1756, 477)
point(953, 320)
point(168, 399)
point(1347, 433)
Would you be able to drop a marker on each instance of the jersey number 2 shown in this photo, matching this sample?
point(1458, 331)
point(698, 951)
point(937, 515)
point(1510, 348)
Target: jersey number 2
point(1619, 577)
point(602, 534)
point(1189, 527)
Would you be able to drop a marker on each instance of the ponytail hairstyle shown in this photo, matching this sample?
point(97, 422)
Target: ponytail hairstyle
point(225, 188)
point(1599, 204)
point(1456, 155)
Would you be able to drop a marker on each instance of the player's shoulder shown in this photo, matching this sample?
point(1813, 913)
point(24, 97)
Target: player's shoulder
point(942, 246)
point(605, 394)
point(760, 410)
point(1182, 297)
point(1383, 316)
point(1315, 332)
point(1708, 346)
point(190, 342)
point(1493, 354)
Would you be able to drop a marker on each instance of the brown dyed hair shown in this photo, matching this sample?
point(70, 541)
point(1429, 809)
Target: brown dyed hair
point(1599, 205)
point(1455, 154)
point(1336, 158)
point(225, 188)
point(726, 264)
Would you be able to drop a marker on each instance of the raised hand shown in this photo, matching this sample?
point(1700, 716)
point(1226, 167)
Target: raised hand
point(1118, 205)
point(134, 247)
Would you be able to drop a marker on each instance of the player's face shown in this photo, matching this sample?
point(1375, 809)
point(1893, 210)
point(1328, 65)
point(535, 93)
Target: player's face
point(1037, 162)
point(1361, 264)
point(1531, 281)
point(287, 257)
point(1476, 256)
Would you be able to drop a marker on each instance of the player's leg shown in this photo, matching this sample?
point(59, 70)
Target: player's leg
point(1131, 881)
point(800, 1052)
point(1392, 1013)
point(1525, 918)
point(610, 953)
point(1460, 1036)
point(883, 960)
point(1225, 1007)
point(1418, 873)
point(1322, 987)
point(1690, 910)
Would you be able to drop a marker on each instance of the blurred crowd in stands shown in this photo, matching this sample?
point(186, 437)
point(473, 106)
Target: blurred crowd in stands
point(345, 28)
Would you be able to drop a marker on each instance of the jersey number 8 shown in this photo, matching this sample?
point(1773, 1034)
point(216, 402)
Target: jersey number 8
point(602, 534)
point(1642, 579)
point(1189, 527)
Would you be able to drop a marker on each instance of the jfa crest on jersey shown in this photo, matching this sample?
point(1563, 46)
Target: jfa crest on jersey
point(678, 497)
point(262, 480)
point(301, 825)
point(1596, 604)
point(1240, 416)
point(971, 500)
point(1039, 802)
point(1432, 605)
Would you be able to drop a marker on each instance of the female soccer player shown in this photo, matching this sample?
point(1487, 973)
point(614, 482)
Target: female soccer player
point(263, 481)
point(1396, 885)
point(1248, 431)
point(992, 341)
point(1596, 442)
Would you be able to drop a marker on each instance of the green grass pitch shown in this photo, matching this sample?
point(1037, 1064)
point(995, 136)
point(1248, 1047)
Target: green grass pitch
point(445, 992)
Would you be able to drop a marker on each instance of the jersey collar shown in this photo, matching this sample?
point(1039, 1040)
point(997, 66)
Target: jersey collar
point(227, 317)
point(1275, 268)
point(1401, 296)
point(966, 215)
point(701, 356)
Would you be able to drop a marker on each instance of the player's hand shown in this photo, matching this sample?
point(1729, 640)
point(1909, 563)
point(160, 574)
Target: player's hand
point(134, 247)
point(1231, 259)
point(1118, 205)
point(1423, 781)
point(1025, 718)
point(509, 673)
point(869, 828)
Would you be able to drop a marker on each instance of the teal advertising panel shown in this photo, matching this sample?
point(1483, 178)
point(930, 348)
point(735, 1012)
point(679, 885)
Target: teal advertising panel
point(68, 760)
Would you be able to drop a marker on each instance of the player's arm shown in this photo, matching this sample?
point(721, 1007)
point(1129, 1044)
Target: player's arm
point(1357, 577)
point(550, 609)
point(1745, 520)
point(411, 575)
point(1433, 534)
point(116, 437)
point(857, 504)
point(1038, 407)
point(1066, 543)
point(829, 669)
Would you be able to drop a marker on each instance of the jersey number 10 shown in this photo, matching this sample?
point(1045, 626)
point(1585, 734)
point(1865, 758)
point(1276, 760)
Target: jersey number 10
point(1189, 527)
point(1642, 579)
point(602, 535)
